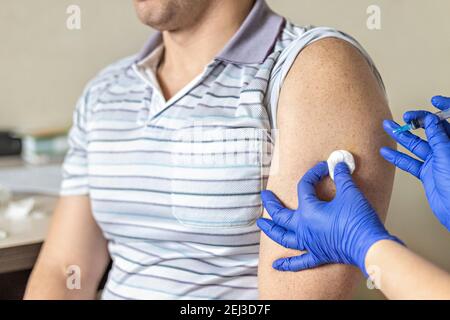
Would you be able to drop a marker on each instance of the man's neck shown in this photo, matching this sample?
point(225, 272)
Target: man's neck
point(189, 50)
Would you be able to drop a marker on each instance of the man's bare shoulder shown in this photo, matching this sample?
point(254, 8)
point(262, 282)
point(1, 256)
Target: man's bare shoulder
point(331, 82)
point(329, 64)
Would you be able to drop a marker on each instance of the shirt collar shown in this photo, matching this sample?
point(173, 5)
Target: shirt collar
point(251, 44)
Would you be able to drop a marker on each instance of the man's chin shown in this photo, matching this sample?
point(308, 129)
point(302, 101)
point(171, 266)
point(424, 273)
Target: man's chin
point(151, 13)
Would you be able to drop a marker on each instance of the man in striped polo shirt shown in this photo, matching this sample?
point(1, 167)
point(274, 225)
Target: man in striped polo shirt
point(171, 147)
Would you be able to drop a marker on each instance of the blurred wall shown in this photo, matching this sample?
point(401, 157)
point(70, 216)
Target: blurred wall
point(44, 66)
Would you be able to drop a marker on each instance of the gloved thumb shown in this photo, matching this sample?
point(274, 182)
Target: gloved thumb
point(271, 202)
point(342, 177)
point(306, 188)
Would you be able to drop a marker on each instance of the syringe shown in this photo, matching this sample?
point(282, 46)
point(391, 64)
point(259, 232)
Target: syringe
point(420, 123)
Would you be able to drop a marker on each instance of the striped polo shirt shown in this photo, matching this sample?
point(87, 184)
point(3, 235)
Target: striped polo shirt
point(174, 185)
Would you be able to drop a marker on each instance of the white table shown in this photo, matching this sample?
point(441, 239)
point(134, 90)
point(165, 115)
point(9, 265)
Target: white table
point(19, 250)
point(24, 237)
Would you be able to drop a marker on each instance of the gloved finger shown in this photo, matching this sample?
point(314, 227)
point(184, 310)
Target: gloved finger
point(343, 178)
point(440, 102)
point(306, 188)
point(279, 234)
point(279, 213)
point(409, 116)
point(412, 115)
point(402, 161)
point(298, 263)
point(435, 131)
point(408, 140)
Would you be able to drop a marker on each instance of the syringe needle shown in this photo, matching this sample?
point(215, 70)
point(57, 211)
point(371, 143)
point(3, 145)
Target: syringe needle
point(404, 128)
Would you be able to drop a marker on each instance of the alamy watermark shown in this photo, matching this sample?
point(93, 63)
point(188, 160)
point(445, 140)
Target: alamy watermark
point(73, 21)
point(73, 281)
point(374, 19)
point(374, 280)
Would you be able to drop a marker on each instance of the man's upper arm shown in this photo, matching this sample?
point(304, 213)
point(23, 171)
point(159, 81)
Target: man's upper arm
point(330, 100)
point(74, 239)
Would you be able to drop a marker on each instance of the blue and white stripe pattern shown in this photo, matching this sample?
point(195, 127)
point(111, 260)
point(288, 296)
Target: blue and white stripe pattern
point(175, 185)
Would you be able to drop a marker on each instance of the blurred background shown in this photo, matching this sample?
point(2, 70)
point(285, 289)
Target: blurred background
point(44, 67)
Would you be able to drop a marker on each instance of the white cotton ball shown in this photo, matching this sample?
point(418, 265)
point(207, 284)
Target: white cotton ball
point(340, 156)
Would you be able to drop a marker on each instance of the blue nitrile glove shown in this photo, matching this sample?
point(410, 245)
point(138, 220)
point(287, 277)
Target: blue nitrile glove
point(339, 231)
point(434, 170)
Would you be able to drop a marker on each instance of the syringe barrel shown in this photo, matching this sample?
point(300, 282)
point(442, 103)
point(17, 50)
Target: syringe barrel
point(420, 123)
point(444, 114)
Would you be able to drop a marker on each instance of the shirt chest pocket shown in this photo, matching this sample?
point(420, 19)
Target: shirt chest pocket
point(218, 175)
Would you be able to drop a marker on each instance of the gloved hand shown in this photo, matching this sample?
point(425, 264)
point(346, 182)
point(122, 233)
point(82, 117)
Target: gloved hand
point(434, 171)
point(339, 231)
